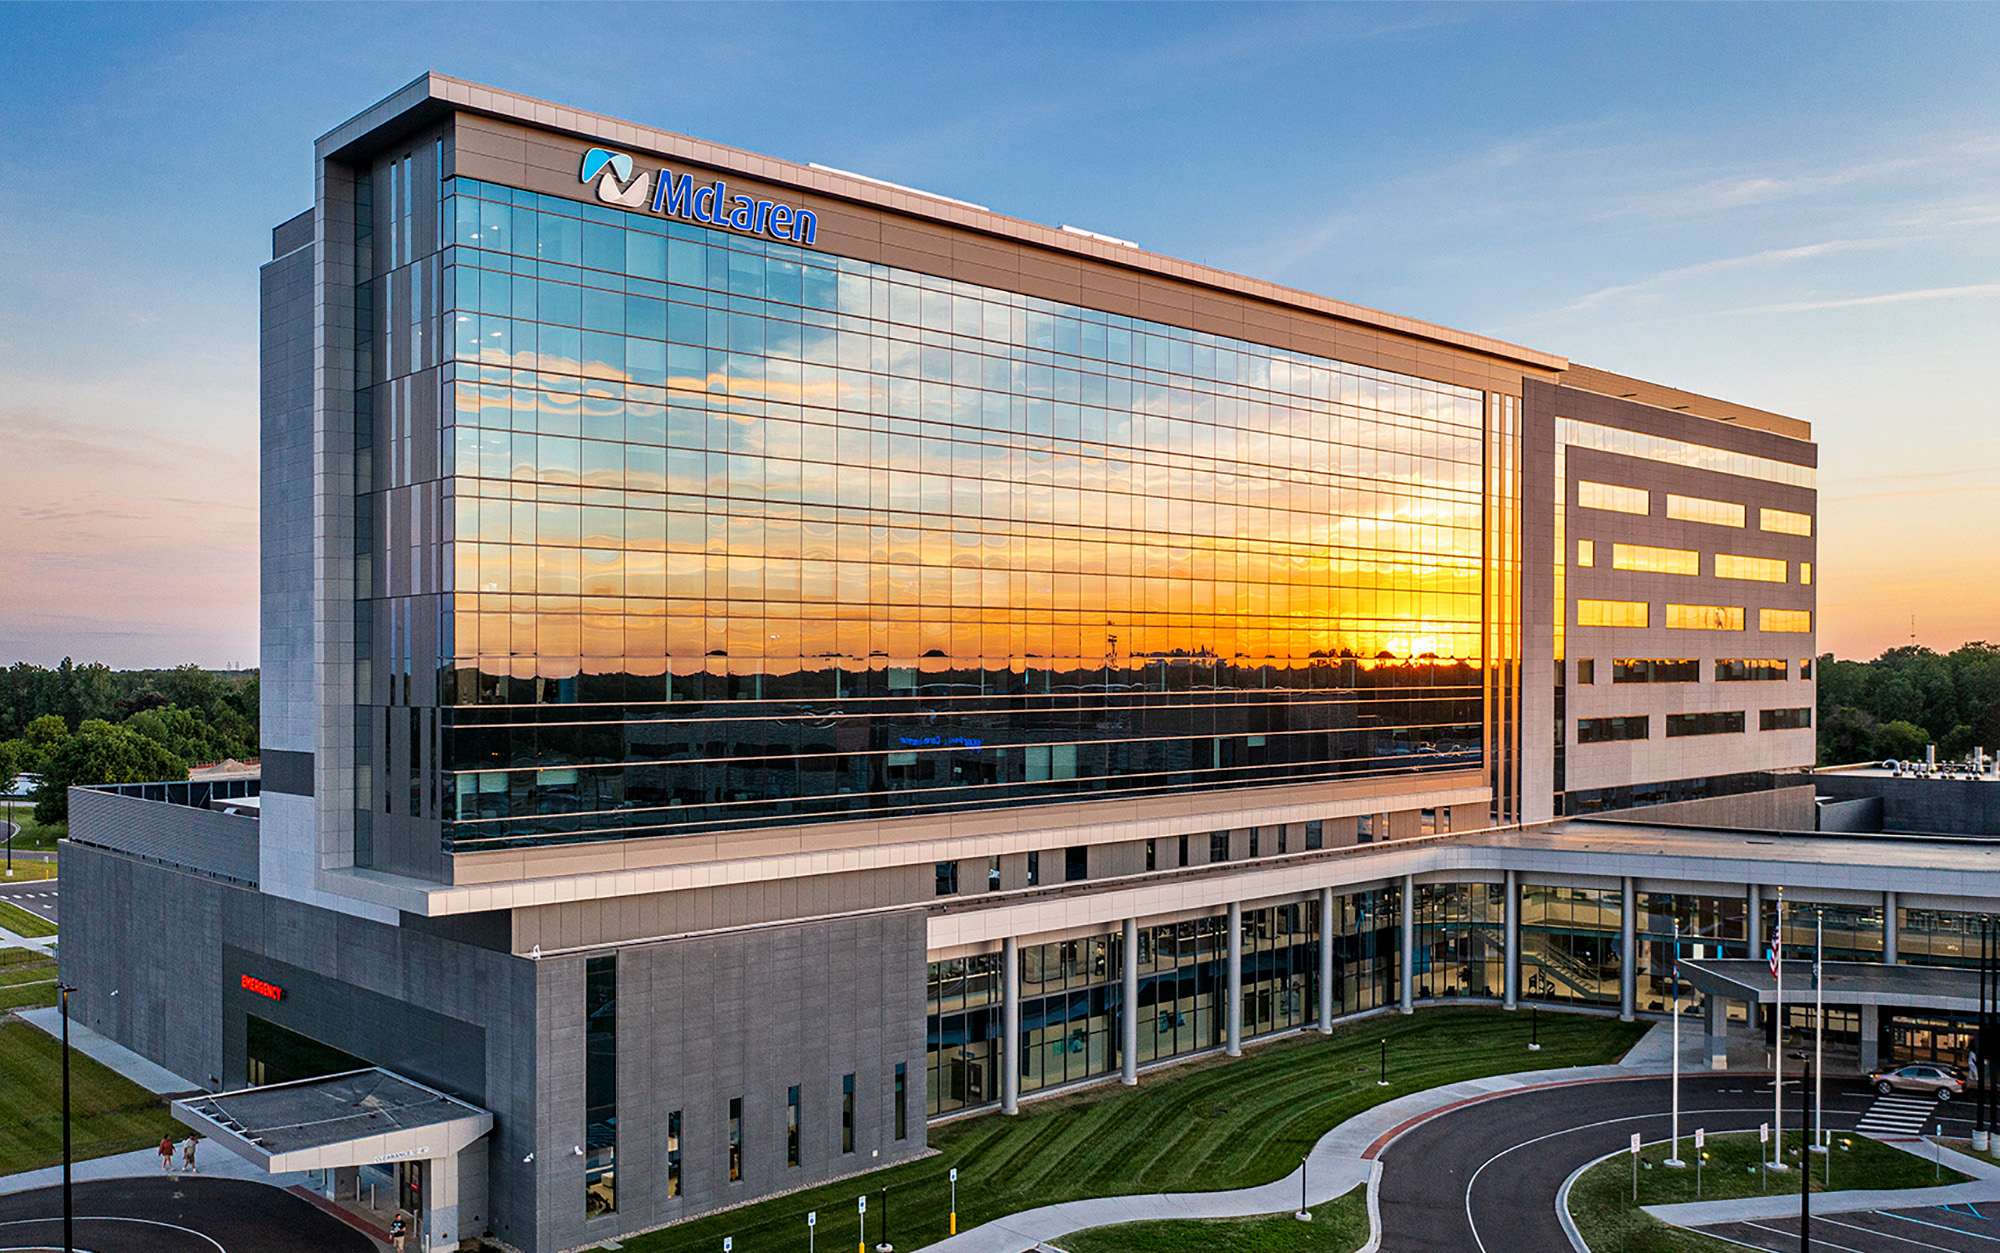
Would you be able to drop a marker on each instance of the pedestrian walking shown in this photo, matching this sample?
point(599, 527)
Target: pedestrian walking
point(187, 1156)
point(166, 1156)
point(397, 1230)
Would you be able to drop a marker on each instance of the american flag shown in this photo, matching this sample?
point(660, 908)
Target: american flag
point(1775, 940)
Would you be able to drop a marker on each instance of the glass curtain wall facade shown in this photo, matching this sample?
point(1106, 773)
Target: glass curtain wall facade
point(1710, 926)
point(1280, 967)
point(1071, 993)
point(745, 534)
point(1851, 933)
point(964, 1032)
point(600, 1081)
point(1937, 937)
point(1460, 943)
point(1069, 1010)
point(1570, 941)
point(1183, 985)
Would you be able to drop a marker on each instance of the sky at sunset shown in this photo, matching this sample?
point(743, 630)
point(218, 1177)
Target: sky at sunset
point(1796, 207)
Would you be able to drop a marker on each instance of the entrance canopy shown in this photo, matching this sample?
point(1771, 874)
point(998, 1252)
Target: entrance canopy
point(1939, 989)
point(360, 1118)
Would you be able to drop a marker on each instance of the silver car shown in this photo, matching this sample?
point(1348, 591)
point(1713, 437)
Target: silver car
point(1926, 1077)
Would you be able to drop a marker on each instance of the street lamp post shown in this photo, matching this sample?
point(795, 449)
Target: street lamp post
point(1674, 1158)
point(1305, 1214)
point(69, 1209)
point(1383, 1080)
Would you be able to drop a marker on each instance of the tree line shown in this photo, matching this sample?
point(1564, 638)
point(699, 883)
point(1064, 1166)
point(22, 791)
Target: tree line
point(89, 724)
point(1909, 697)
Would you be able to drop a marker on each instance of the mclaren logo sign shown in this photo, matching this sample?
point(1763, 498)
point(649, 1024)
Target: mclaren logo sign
point(620, 182)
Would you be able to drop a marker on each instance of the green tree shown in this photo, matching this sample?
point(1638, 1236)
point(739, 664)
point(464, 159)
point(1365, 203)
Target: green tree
point(1901, 740)
point(40, 741)
point(101, 753)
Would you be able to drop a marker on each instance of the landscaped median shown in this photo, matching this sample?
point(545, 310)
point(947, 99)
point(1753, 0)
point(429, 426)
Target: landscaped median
point(1602, 1206)
point(23, 923)
point(1338, 1226)
point(111, 1114)
point(1202, 1126)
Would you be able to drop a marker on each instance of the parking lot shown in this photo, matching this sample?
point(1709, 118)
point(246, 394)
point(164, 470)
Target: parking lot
point(1959, 1229)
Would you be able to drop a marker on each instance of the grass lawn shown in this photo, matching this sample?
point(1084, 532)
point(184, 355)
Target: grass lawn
point(34, 834)
point(28, 868)
point(1601, 1201)
point(109, 1114)
point(27, 979)
point(1338, 1226)
point(21, 922)
point(1200, 1126)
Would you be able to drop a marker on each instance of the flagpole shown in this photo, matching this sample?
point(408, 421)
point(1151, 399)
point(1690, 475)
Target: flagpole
point(1778, 1036)
point(1819, 1021)
point(1675, 1160)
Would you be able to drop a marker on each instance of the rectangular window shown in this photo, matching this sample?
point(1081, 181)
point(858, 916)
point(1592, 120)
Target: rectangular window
point(1076, 863)
point(902, 1101)
point(1655, 670)
point(1611, 613)
point(1364, 829)
point(847, 1113)
point(792, 1125)
point(1611, 497)
point(993, 874)
point(1586, 671)
point(1805, 574)
point(1784, 522)
point(1792, 621)
point(1427, 821)
point(1218, 846)
point(1283, 832)
point(1784, 719)
point(673, 1154)
point(1756, 569)
point(947, 878)
point(1712, 723)
point(1254, 846)
point(1805, 669)
point(1152, 857)
point(600, 1085)
point(1698, 509)
point(1750, 670)
point(735, 1138)
point(1184, 850)
point(1035, 868)
point(1608, 730)
point(1704, 617)
point(1648, 560)
point(1586, 552)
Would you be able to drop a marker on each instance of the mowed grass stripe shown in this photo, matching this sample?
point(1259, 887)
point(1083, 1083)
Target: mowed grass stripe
point(1200, 1126)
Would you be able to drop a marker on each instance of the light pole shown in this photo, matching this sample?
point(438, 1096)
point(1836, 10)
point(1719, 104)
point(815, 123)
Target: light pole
point(69, 1210)
point(1304, 1215)
point(1383, 1081)
point(1674, 1159)
point(1778, 1034)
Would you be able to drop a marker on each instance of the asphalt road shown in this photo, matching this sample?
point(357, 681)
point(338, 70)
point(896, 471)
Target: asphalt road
point(1959, 1229)
point(176, 1215)
point(37, 896)
point(1485, 1177)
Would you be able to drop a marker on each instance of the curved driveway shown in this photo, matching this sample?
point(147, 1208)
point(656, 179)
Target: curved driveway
point(1484, 1176)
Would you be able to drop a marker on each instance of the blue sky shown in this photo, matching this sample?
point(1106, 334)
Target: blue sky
point(1793, 206)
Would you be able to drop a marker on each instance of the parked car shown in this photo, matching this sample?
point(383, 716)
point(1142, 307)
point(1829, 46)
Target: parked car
point(1927, 1077)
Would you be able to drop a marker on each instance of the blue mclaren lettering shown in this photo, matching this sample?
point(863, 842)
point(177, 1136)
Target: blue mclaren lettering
point(712, 204)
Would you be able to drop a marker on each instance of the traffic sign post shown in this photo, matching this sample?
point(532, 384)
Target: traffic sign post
point(954, 1200)
point(862, 1208)
point(1635, 1168)
point(812, 1236)
point(1699, 1158)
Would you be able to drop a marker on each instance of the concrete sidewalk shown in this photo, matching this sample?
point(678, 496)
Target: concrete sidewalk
point(1344, 1158)
point(1985, 1187)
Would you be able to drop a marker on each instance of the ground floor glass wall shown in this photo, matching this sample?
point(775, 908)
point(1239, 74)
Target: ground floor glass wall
point(1280, 967)
point(1183, 982)
point(1570, 944)
point(1709, 926)
point(1460, 943)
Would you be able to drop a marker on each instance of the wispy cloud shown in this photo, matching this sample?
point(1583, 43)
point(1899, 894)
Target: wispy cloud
point(1884, 298)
